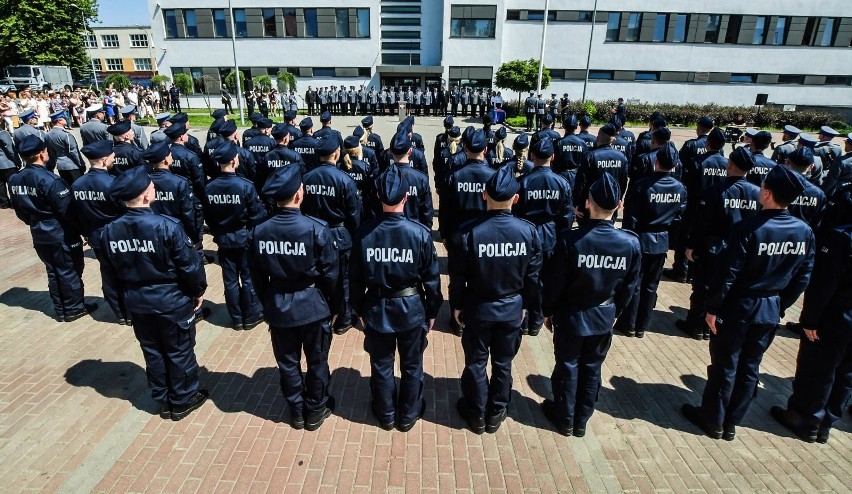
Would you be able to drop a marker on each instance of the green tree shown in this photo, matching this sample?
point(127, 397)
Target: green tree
point(160, 80)
point(520, 76)
point(231, 81)
point(46, 32)
point(286, 81)
point(118, 81)
point(184, 83)
point(262, 82)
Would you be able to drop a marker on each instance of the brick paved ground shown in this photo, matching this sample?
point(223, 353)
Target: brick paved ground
point(75, 415)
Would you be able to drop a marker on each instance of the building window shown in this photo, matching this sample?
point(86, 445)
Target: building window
point(220, 27)
point(142, 64)
point(109, 40)
point(661, 25)
point(791, 79)
point(139, 41)
point(364, 72)
point(171, 23)
point(401, 58)
point(400, 9)
point(191, 25)
point(747, 78)
point(401, 34)
point(711, 35)
point(759, 36)
point(270, 29)
point(311, 29)
point(647, 76)
point(584, 16)
point(538, 15)
point(733, 33)
point(828, 24)
point(240, 23)
point(681, 28)
point(600, 75)
point(471, 21)
point(613, 24)
point(323, 71)
point(114, 64)
point(838, 80)
point(513, 15)
point(96, 62)
point(91, 41)
point(634, 24)
point(810, 28)
point(557, 73)
point(402, 45)
point(342, 17)
point(290, 23)
point(363, 22)
point(403, 21)
point(780, 36)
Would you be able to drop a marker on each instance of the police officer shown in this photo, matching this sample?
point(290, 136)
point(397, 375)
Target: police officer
point(185, 163)
point(327, 132)
point(494, 274)
point(364, 173)
point(279, 157)
point(454, 101)
point(311, 99)
point(41, 200)
point(643, 165)
point(810, 205)
point(446, 160)
point(545, 131)
point(418, 157)
point(383, 100)
point(589, 283)
point(174, 196)
point(127, 155)
point(827, 150)
point(94, 208)
point(465, 101)
point(441, 141)
point(63, 151)
point(586, 122)
point(779, 153)
point(840, 171)
point(294, 266)
point(391, 101)
point(232, 209)
point(762, 164)
point(29, 120)
point(418, 102)
point(331, 195)
point(428, 101)
point(292, 128)
point(498, 154)
point(821, 387)
point(570, 151)
point(94, 129)
point(523, 165)
point(163, 121)
point(307, 144)
point(352, 95)
point(219, 116)
point(763, 268)
point(623, 144)
point(10, 162)
point(643, 142)
point(333, 103)
point(602, 159)
point(694, 150)
point(130, 112)
point(253, 131)
point(553, 107)
point(720, 207)
point(372, 100)
point(396, 291)
point(540, 110)
point(263, 142)
point(418, 204)
point(226, 130)
point(367, 153)
point(544, 199)
point(153, 263)
point(650, 207)
point(371, 139)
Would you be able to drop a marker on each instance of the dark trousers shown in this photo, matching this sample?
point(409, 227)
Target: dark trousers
point(310, 108)
point(113, 297)
point(5, 191)
point(733, 373)
point(64, 264)
point(228, 106)
point(702, 273)
point(501, 340)
point(176, 105)
point(576, 378)
point(637, 314)
point(306, 393)
point(168, 345)
point(240, 297)
point(678, 233)
point(530, 120)
point(69, 176)
point(823, 382)
point(454, 108)
point(345, 312)
point(344, 108)
point(389, 404)
point(473, 108)
point(539, 118)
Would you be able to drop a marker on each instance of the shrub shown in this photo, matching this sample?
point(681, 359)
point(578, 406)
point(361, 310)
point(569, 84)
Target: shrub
point(119, 81)
point(516, 121)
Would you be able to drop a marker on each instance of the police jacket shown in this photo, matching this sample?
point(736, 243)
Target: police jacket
point(521, 170)
point(174, 198)
point(540, 105)
point(589, 138)
point(250, 134)
point(418, 206)
point(691, 153)
point(650, 207)
point(628, 137)
point(570, 153)
point(594, 271)
point(93, 208)
point(294, 268)
point(93, 130)
point(464, 200)
point(394, 279)
point(764, 266)
point(307, 146)
point(127, 156)
point(418, 161)
point(603, 159)
point(248, 164)
point(709, 171)
point(8, 156)
point(260, 145)
point(328, 133)
point(544, 200)
point(828, 298)
point(374, 142)
point(42, 200)
point(809, 206)
point(547, 132)
point(139, 139)
point(364, 175)
point(62, 150)
point(762, 166)
point(493, 162)
point(530, 104)
point(295, 133)
point(440, 143)
point(839, 173)
point(187, 164)
point(444, 165)
point(368, 155)
point(210, 167)
point(154, 264)
point(232, 208)
point(279, 157)
point(626, 148)
point(494, 269)
point(729, 201)
point(332, 196)
point(779, 155)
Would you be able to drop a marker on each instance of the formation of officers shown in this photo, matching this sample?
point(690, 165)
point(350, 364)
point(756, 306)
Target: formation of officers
point(317, 233)
point(385, 101)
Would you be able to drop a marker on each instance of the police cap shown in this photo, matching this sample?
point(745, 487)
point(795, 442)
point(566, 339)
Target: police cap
point(119, 128)
point(351, 142)
point(228, 129)
point(325, 117)
point(503, 185)
point(255, 117)
point(156, 153)
point(96, 108)
point(548, 118)
point(265, 123)
point(477, 142)
point(742, 158)
point(327, 147)
point(751, 132)
point(585, 120)
point(180, 118)
point(662, 134)
point(175, 131)
point(762, 139)
point(659, 122)
point(608, 129)
point(306, 123)
point(543, 148)
point(280, 131)
point(454, 132)
point(448, 121)
point(217, 125)
point(57, 115)
point(391, 190)
point(367, 121)
point(290, 116)
point(667, 156)
point(706, 122)
point(358, 132)
point(828, 132)
point(521, 142)
point(218, 113)
point(807, 140)
point(605, 192)
point(716, 137)
point(400, 143)
point(500, 134)
point(130, 184)
point(487, 119)
point(801, 157)
point(98, 149)
point(786, 185)
point(129, 110)
point(225, 152)
point(162, 117)
point(283, 183)
point(467, 133)
point(570, 121)
point(30, 146)
point(792, 130)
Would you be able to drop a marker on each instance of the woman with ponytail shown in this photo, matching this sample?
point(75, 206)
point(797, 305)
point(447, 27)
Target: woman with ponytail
point(499, 155)
point(522, 164)
point(363, 174)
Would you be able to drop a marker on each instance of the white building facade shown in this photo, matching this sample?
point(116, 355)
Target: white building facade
point(659, 51)
point(125, 50)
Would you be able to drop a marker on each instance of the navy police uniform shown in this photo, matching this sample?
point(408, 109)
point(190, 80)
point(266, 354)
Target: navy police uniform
point(10, 162)
point(127, 156)
point(600, 160)
point(174, 197)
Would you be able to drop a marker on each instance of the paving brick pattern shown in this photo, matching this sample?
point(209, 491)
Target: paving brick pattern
point(75, 415)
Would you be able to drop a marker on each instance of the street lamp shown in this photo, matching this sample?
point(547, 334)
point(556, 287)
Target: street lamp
point(86, 43)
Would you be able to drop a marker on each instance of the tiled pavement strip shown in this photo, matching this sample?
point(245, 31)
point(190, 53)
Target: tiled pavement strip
point(75, 414)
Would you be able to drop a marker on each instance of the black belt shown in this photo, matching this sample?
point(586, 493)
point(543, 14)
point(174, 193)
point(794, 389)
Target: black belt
point(335, 225)
point(403, 292)
point(291, 287)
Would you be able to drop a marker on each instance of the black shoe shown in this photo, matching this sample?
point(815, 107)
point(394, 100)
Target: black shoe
point(238, 325)
point(792, 421)
point(640, 333)
point(822, 435)
point(534, 332)
point(691, 328)
point(675, 275)
point(693, 414)
point(524, 331)
point(729, 432)
point(201, 314)
point(549, 409)
point(340, 328)
point(457, 329)
point(297, 420)
point(87, 309)
point(630, 333)
point(492, 422)
point(476, 424)
point(407, 427)
point(579, 431)
point(165, 411)
point(252, 324)
point(181, 411)
point(124, 322)
point(316, 419)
